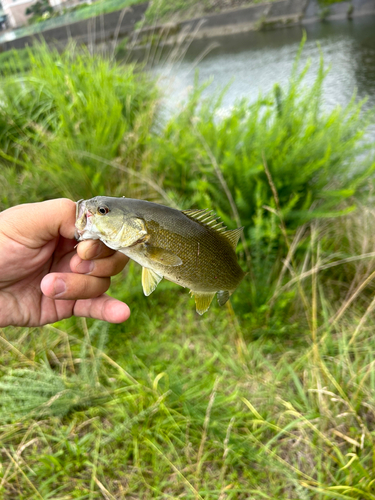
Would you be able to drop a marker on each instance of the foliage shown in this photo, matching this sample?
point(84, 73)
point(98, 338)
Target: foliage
point(284, 144)
point(273, 167)
point(39, 9)
point(272, 397)
point(14, 61)
point(72, 110)
point(172, 405)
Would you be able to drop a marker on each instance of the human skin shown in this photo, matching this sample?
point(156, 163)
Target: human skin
point(45, 276)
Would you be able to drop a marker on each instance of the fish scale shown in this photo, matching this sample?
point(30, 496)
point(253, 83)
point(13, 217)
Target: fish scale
point(190, 248)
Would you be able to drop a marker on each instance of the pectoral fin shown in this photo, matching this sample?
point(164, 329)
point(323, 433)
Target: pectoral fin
point(202, 301)
point(150, 280)
point(162, 256)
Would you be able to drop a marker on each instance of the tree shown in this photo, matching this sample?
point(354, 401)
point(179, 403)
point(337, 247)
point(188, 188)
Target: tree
point(39, 8)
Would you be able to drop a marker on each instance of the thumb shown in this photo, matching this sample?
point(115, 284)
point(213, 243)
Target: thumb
point(34, 224)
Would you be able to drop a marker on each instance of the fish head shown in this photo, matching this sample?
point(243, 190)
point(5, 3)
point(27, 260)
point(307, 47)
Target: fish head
point(104, 218)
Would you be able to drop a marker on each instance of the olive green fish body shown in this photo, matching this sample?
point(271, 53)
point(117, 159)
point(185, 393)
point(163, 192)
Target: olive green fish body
point(208, 264)
point(189, 248)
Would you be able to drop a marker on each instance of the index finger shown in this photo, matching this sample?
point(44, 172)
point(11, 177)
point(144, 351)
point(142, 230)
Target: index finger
point(93, 249)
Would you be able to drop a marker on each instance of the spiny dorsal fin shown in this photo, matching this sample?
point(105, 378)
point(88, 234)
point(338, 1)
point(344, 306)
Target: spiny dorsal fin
point(207, 218)
point(233, 236)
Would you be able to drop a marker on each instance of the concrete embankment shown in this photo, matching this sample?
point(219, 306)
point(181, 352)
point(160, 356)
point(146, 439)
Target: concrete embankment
point(267, 15)
point(94, 30)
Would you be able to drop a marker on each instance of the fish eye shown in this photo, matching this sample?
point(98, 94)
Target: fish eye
point(103, 210)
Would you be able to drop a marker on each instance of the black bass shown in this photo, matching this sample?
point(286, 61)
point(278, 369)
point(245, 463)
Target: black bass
point(190, 248)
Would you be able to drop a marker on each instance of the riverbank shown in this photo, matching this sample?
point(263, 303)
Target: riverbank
point(108, 28)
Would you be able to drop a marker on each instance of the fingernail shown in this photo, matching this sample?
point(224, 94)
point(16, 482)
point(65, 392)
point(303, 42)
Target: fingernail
point(59, 287)
point(85, 267)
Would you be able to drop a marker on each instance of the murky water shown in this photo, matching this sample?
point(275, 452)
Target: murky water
point(253, 62)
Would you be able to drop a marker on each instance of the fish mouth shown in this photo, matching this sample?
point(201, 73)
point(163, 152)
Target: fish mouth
point(81, 219)
point(85, 228)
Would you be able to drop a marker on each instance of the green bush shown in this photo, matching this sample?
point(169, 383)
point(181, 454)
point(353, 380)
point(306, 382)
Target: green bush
point(78, 125)
point(284, 160)
point(71, 104)
point(169, 404)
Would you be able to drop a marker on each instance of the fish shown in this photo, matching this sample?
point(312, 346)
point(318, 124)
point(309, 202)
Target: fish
point(191, 248)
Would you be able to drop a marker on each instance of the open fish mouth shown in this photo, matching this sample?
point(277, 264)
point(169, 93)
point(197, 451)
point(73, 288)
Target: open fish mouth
point(81, 219)
point(85, 227)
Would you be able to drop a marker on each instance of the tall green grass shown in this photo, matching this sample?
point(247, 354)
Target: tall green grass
point(65, 117)
point(170, 406)
point(78, 125)
point(274, 167)
point(271, 397)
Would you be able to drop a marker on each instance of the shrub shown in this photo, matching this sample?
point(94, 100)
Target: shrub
point(271, 166)
point(68, 104)
point(77, 125)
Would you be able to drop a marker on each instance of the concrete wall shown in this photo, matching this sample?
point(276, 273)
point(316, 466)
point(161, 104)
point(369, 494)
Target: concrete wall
point(260, 16)
point(277, 14)
point(342, 10)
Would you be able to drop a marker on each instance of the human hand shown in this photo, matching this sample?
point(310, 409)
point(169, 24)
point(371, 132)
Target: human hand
point(43, 278)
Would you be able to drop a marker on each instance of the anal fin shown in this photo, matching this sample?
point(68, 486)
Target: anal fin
point(150, 280)
point(202, 300)
point(222, 297)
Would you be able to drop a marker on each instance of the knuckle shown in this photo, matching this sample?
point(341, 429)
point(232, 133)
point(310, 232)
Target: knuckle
point(66, 204)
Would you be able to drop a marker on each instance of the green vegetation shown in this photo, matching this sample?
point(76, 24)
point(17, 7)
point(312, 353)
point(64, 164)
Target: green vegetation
point(15, 61)
point(271, 397)
point(38, 10)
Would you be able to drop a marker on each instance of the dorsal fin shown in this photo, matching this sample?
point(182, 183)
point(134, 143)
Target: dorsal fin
point(233, 236)
point(207, 218)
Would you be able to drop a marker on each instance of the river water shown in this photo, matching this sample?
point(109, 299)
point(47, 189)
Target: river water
point(253, 62)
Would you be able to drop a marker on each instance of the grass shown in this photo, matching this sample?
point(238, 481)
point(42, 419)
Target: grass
point(270, 397)
point(161, 407)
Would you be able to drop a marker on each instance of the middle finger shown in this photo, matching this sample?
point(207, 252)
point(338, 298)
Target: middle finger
point(108, 266)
